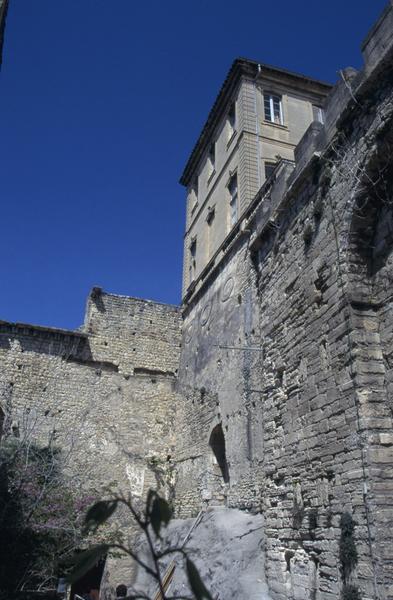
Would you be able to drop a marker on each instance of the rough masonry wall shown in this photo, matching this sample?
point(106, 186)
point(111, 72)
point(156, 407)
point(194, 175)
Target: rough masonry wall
point(108, 393)
point(288, 347)
point(283, 403)
point(217, 377)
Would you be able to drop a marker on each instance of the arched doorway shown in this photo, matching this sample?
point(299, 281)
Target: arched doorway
point(217, 472)
point(217, 445)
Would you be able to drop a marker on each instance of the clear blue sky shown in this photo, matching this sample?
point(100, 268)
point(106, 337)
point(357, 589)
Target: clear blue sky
point(101, 102)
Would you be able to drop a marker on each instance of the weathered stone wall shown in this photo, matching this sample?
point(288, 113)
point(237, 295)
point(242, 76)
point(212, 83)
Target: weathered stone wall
point(138, 336)
point(283, 399)
point(108, 391)
point(216, 377)
point(288, 346)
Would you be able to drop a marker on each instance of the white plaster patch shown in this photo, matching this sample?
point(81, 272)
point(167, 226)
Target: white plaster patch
point(15, 345)
point(136, 479)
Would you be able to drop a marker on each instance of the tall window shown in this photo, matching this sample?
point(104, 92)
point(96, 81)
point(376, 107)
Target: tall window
point(231, 120)
point(192, 267)
point(212, 158)
point(233, 200)
point(318, 114)
point(194, 194)
point(211, 213)
point(269, 168)
point(273, 108)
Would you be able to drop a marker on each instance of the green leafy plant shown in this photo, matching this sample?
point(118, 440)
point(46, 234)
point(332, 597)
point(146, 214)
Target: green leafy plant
point(348, 557)
point(348, 552)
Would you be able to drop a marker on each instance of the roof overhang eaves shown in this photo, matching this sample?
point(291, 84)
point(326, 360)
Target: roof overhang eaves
point(239, 68)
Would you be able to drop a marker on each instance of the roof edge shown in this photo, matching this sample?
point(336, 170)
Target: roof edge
point(240, 66)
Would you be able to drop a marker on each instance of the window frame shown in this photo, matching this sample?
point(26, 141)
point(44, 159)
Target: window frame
point(212, 160)
point(318, 114)
point(210, 218)
point(269, 99)
point(194, 195)
point(231, 121)
point(233, 190)
point(269, 164)
point(192, 264)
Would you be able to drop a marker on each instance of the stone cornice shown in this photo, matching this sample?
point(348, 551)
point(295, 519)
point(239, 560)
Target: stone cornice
point(243, 67)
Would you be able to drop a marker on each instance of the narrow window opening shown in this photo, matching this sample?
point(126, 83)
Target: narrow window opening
point(233, 200)
point(231, 120)
point(269, 169)
point(194, 195)
point(211, 213)
point(192, 267)
point(212, 158)
point(217, 444)
point(318, 114)
point(273, 108)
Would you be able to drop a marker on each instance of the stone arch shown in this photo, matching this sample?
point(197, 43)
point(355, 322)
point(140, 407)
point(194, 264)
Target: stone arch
point(370, 265)
point(217, 446)
point(216, 472)
point(370, 303)
point(370, 240)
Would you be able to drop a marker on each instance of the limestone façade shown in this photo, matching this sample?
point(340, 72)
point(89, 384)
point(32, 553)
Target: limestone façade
point(285, 345)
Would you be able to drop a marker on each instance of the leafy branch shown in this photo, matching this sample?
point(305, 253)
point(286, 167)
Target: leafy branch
point(150, 520)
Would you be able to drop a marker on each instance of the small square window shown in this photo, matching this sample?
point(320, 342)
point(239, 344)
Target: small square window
point(273, 108)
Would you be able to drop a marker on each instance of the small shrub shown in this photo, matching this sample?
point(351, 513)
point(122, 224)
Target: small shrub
point(348, 553)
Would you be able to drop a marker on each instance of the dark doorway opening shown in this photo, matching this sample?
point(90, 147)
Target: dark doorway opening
point(90, 583)
point(217, 444)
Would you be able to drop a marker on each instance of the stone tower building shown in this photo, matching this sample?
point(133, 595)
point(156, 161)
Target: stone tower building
point(257, 119)
point(285, 365)
point(270, 389)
